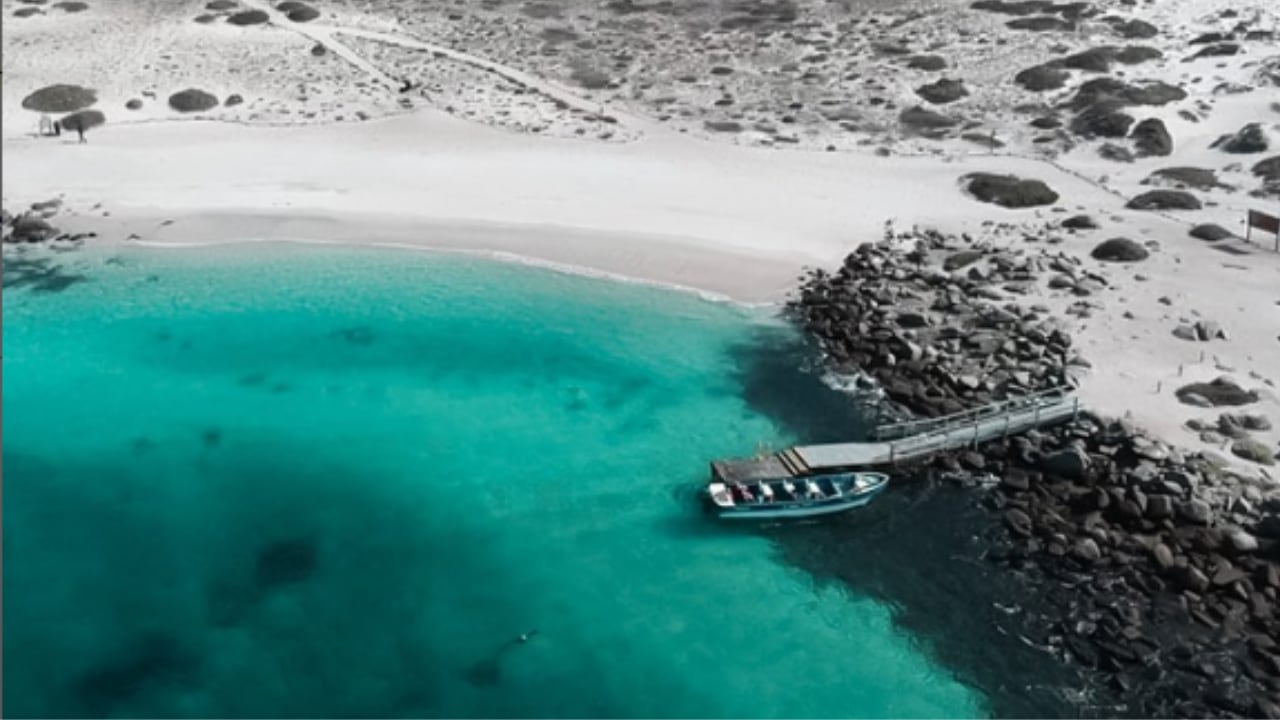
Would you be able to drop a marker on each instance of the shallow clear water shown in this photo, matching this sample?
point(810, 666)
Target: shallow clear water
point(295, 481)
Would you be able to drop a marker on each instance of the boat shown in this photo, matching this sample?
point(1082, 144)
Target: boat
point(793, 497)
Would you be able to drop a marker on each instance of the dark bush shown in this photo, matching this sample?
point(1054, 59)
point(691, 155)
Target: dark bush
point(303, 14)
point(60, 99)
point(83, 120)
point(192, 100)
point(249, 17)
point(1009, 191)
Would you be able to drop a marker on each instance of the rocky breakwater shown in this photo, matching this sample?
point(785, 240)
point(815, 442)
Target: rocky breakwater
point(1157, 570)
point(940, 337)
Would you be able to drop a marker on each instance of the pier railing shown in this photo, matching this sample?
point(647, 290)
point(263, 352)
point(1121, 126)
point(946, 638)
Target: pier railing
point(982, 424)
point(1033, 402)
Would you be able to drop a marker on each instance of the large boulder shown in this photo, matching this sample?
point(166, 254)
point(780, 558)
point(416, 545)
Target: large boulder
point(1164, 200)
point(1069, 464)
point(1248, 139)
point(1119, 249)
point(1008, 190)
point(1151, 137)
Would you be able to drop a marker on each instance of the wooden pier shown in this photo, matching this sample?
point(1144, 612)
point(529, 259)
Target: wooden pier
point(910, 440)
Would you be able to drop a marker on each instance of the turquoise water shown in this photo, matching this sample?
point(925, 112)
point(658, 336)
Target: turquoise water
point(290, 481)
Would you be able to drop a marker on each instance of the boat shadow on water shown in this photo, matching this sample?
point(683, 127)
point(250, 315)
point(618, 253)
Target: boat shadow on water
point(487, 671)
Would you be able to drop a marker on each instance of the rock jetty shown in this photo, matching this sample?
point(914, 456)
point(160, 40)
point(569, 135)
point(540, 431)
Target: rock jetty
point(1162, 563)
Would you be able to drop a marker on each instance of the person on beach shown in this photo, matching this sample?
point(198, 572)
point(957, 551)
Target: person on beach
point(57, 128)
point(80, 130)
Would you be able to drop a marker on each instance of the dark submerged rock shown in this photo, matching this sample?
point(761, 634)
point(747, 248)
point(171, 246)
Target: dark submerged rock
point(285, 562)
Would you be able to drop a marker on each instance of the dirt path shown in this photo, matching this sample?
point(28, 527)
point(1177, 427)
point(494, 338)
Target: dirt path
point(328, 36)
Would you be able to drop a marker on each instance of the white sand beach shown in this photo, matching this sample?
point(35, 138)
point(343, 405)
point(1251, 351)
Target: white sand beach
point(647, 200)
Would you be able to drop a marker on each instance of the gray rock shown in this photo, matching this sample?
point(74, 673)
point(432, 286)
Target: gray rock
point(1185, 332)
point(1196, 511)
point(1159, 507)
point(1087, 550)
point(1241, 541)
point(1209, 330)
point(1070, 463)
point(1163, 556)
point(1254, 451)
point(1019, 522)
point(1190, 578)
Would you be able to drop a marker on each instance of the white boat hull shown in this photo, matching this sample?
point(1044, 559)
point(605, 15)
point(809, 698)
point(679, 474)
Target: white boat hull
point(779, 499)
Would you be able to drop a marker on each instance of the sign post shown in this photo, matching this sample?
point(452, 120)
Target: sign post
point(1265, 222)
